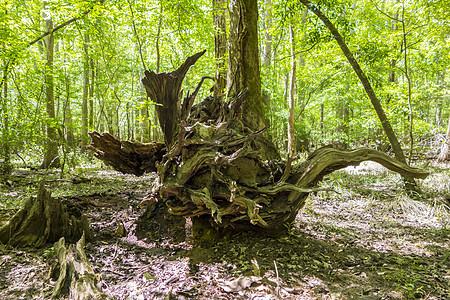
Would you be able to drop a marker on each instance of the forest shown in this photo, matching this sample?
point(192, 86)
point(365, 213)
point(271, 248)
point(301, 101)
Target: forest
point(224, 149)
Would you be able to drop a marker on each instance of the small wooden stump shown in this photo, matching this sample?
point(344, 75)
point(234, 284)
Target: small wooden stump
point(76, 279)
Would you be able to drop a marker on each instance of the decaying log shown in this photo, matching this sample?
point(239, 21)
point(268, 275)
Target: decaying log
point(124, 156)
point(41, 220)
point(76, 279)
point(218, 168)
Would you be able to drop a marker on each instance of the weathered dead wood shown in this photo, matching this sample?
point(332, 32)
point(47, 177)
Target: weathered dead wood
point(41, 220)
point(164, 89)
point(76, 279)
point(124, 156)
point(217, 167)
point(223, 170)
point(238, 186)
point(190, 98)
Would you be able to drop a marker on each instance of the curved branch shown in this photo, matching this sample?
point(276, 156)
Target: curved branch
point(327, 160)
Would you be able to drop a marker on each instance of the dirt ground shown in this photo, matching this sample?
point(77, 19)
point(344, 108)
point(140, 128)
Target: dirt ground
point(367, 240)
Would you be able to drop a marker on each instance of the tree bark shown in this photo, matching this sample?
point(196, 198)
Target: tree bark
point(291, 130)
point(243, 60)
point(85, 100)
point(5, 153)
point(51, 158)
point(220, 46)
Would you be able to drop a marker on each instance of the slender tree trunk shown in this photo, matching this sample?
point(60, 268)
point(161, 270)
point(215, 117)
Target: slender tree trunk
point(285, 140)
point(243, 64)
point(365, 82)
point(393, 61)
point(396, 147)
point(267, 58)
point(437, 117)
point(445, 149)
point(267, 50)
point(91, 96)
point(67, 116)
point(6, 155)
point(291, 131)
point(410, 109)
point(322, 108)
point(220, 46)
point(158, 37)
point(85, 100)
point(4, 115)
point(51, 158)
point(145, 124)
point(156, 136)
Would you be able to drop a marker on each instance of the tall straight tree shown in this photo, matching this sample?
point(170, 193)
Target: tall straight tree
point(5, 153)
point(91, 95)
point(243, 60)
point(85, 100)
point(51, 158)
point(267, 48)
point(220, 45)
point(291, 131)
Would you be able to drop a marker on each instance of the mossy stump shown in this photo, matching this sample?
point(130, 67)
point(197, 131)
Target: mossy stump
point(42, 219)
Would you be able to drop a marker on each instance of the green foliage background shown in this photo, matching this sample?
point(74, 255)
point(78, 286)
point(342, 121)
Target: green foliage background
point(324, 77)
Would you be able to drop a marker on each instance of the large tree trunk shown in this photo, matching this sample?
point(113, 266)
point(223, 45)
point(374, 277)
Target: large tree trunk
point(243, 60)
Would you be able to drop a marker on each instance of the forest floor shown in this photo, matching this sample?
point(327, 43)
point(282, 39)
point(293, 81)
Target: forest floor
point(367, 240)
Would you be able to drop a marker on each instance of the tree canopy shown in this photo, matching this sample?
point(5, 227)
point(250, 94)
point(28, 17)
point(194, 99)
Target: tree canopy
point(101, 49)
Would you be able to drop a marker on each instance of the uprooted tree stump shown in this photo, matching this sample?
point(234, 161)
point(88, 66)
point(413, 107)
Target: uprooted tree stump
point(41, 220)
point(215, 166)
